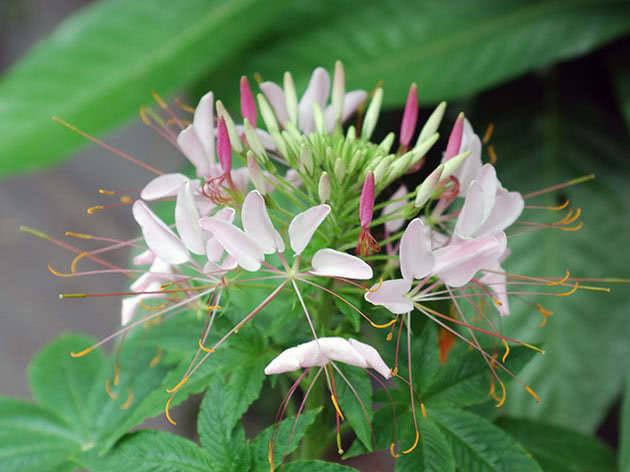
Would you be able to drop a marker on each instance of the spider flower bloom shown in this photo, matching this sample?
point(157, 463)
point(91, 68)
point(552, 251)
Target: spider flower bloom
point(367, 244)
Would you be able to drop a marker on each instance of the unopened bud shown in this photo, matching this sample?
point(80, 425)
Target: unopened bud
point(290, 96)
point(306, 160)
point(324, 188)
point(338, 93)
point(386, 144)
point(453, 164)
point(428, 186)
point(253, 141)
point(255, 173)
point(224, 148)
point(248, 105)
point(371, 116)
point(366, 202)
point(318, 118)
point(410, 117)
point(267, 114)
point(455, 139)
point(235, 139)
point(340, 169)
point(432, 124)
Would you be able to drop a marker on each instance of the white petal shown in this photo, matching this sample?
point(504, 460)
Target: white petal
point(508, 206)
point(145, 257)
point(469, 169)
point(287, 361)
point(203, 123)
point(416, 257)
point(159, 272)
point(166, 185)
point(304, 225)
point(159, 237)
point(130, 305)
point(187, 221)
point(317, 92)
point(392, 294)
point(331, 263)
point(393, 209)
point(340, 350)
point(471, 215)
point(372, 357)
point(257, 224)
point(496, 281)
point(244, 249)
point(275, 96)
point(191, 146)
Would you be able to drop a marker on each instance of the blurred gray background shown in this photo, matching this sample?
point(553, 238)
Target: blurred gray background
point(55, 201)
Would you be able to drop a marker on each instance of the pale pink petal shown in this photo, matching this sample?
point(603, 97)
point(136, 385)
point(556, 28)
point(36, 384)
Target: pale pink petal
point(203, 123)
point(372, 357)
point(496, 281)
point(187, 221)
point(508, 206)
point(144, 258)
point(458, 262)
point(416, 257)
point(160, 272)
point(304, 225)
point(275, 97)
point(351, 101)
point(159, 237)
point(393, 209)
point(247, 253)
point(331, 263)
point(192, 148)
point(472, 213)
point(240, 177)
point(469, 169)
point(340, 350)
point(257, 224)
point(287, 361)
point(487, 178)
point(317, 92)
point(392, 294)
point(130, 305)
point(166, 185)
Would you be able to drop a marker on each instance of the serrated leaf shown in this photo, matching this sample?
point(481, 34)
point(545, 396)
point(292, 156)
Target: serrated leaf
point(102, 64)
point(559, 449)
point(286, 437)
point(357, 411)
point(316, 466)
point(478, 445)
point(33, 439)
point(485, 43)
point(554, 138)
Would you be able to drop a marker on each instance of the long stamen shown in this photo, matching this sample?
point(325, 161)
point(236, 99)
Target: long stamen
point(411, 390)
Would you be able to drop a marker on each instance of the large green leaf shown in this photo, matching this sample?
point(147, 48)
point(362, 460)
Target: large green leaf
point(540, 143)
point(433, 454)
point(478, 445)
point(357, 411)
point(559, 449)
point(102, 64)
point(316, 466)
point(624, 449)
point(450, 48)
point(33, 439)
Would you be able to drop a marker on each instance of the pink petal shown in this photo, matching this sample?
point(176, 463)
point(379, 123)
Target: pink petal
point(393, 208)
point(224, 148)
point(166, 185)
point(145, 257)
point(340, 350)
point(496, 281)
point(248, 104)
point(416, 257)
point(187, 221)
point(455, 139)
point(160, 271)
point(392, 294)
point(317, 92)
point(331, 263)
point(410, 117)
point(472, 213)
point(372, 357)
point(275, 96)
point(287, 361)
point(469, 169)
point(257, 224)
point(203, 123)
point(191, 146)
point(304, 225)
point(351, 101)
point(247, 253)
point(159, 237)
point(508, 206)
point(366, 201)
point(458, 262)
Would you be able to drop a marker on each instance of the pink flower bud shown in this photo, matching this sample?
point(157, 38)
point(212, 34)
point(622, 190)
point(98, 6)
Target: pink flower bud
point(224, 148)
point(248, 105)
point(410, 117)
point(455, 139)
point(366, 203)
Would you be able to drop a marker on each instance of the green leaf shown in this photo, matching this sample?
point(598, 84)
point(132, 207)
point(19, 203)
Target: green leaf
point(624, 446)
point(316, 466)
point(449, 56)
point(478, 445)
point(154, 451)
point(33, 439)
point(433, 453)
point(357, 411)
point(621, 76)
point(545, 136)
point(286, 437)
point(559, 449)
point(102, 64)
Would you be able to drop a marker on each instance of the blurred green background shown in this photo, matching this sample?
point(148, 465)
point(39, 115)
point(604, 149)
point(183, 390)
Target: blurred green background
point(553, 76)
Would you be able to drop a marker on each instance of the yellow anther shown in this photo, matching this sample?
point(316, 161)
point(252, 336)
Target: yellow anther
point(384, 325)
point(336, 405)
point(156, 359)
point(34, 232)
point(82, 353)
point(577, 227)
point(184, 106)
point(167, 412)
point(532, 393)
point(126, 200)
point(553, 283)
point(500, 399)
point(414, 445)
point(144, 117)
point(394, 371)
point(159, 100)
point(204, 348)
point(561, 207)
point(116, 374)
point(545, 313)
point(492, 155)
point(570, 292)
point(423, 410)
point(108, 389)
point(389, 337)
point(129, 402)
point(392, 450)
point(496, 301)
point(55, 272)
point(75, 261)
point(63, 296)
point(488, 134)
point(507, 350)
point(72, 234)
point(181, 383)
point(94, 209)
point(571, 216)
point(258, 78)
point(212, 307)
point(102, 191)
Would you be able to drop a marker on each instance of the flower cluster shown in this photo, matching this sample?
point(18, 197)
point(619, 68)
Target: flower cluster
point(287, 202)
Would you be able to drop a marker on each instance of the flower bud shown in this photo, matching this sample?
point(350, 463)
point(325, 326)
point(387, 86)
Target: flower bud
point(366, 202)
point(432, 124)
point(324, 188)
point(290, 96)
point(248, 105)
point(338, 92)
point(306, 161)
point(267, 114)
point(371, 116)
point(453, 164)
point(410, 117)
point(235, 139)
point(253, 141)
point(455, 139)
point(224, 148)
point(428, 186)
point(340, 169)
